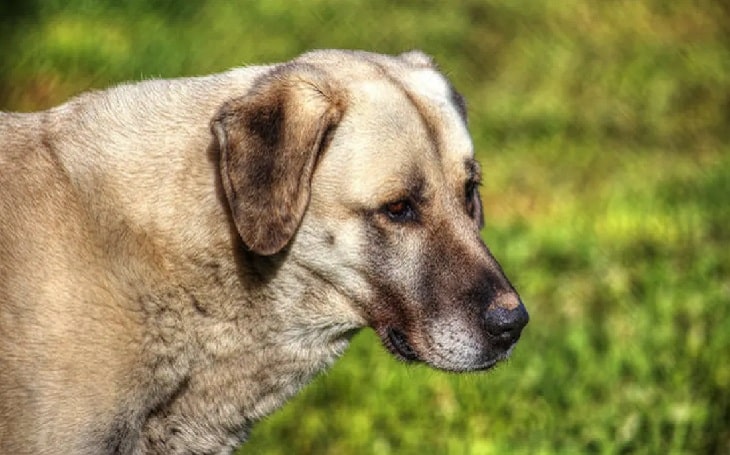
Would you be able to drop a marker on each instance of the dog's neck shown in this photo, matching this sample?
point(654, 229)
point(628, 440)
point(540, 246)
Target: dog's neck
point(241, 320)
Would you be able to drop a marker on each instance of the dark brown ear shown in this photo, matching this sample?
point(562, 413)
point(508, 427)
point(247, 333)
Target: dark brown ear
point(269, 142)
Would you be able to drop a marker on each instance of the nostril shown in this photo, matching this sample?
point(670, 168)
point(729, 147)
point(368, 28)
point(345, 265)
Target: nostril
point(505, 324)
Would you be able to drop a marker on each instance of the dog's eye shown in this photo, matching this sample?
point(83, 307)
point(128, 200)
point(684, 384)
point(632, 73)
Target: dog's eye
point(400, 211)
point(470, 192)
point(473, 204)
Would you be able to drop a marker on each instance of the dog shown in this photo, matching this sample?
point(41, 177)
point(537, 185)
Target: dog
point(179, 257)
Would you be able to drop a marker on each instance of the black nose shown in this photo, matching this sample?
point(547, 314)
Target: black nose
point(505, 320)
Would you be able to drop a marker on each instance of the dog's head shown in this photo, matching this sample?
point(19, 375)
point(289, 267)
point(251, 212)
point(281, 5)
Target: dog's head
point(359, 167)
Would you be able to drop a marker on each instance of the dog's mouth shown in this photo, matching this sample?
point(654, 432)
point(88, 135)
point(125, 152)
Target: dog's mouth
point(398, 343)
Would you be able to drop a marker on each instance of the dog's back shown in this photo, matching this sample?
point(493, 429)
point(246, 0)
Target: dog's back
point(80, 241)
point(49, 276)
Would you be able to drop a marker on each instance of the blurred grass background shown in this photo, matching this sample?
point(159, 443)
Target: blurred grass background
point(603, 129)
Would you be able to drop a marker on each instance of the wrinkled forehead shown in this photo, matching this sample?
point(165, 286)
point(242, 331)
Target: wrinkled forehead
point(406, 121)
point(442, 111)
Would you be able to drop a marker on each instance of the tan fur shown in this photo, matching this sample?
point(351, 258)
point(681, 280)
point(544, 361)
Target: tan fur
point(179, 257)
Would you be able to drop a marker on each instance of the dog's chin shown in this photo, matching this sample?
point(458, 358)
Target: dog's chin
point(396, 342)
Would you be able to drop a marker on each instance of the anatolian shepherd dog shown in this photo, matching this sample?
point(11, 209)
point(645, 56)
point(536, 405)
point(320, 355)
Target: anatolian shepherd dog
point(179, 257)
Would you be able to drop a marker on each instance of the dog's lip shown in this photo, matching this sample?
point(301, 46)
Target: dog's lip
point(495, 360)
point(398, 343)
point(488, 365)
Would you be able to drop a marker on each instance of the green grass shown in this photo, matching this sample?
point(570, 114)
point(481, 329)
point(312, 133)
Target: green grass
point(604, 133)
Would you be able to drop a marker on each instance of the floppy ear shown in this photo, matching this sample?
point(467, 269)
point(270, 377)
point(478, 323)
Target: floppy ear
point(269, 142)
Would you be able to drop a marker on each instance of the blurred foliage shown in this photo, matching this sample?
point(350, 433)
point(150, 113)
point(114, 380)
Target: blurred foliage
point(603, 129)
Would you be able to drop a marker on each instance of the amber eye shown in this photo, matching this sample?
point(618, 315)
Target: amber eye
point(400, 211)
